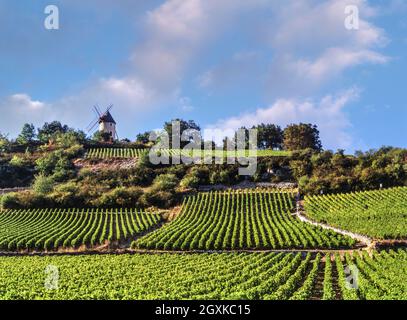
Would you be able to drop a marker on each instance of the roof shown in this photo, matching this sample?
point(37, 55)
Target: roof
point(107, 117)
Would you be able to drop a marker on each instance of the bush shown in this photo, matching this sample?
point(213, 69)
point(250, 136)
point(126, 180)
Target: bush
point(18, 162)
point(162, 199)
point(26, 199)
point(189, 182)
point(67, 195)
point(43, 184)
point(9, 201)
point(120, 197)
point(165, 182)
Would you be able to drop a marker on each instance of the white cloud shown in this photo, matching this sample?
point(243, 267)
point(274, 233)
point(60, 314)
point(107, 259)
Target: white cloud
point(328, 114)
point(175, 33)
point(20, 108)
point(303, 46)
point(315, 48)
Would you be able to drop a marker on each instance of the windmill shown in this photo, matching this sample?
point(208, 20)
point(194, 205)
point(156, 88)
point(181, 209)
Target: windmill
point(107, 125)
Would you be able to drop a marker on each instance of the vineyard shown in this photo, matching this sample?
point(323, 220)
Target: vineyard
point(223, 153)
point(54, 228)
point(274, 276)
point(239, 220)
point(106, 153)
point(381, 213)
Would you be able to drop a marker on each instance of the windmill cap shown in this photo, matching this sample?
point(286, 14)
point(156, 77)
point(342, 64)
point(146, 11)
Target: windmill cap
point(107, 117)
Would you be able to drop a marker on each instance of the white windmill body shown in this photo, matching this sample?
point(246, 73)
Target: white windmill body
point(107, 125)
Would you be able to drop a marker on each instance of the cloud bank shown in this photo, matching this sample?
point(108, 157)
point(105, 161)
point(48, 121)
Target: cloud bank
point(292, 50)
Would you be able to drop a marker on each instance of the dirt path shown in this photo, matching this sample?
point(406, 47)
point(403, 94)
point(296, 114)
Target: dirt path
point(300, 213)
point(106, 249)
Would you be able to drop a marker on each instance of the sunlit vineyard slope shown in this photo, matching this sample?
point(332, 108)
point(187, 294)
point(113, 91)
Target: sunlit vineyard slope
point(380, 214)
point(239, 220)
point(53, 228)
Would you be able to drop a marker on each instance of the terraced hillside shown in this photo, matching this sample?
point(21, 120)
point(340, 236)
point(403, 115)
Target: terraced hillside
point(107, 153)
point(243, 219)
point(276, 276)
point(380, 214)
point(54, 228)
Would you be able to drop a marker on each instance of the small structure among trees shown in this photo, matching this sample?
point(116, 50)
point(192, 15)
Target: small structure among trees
point(107, 125)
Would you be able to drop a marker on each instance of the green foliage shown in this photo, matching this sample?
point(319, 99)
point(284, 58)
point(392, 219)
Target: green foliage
point(49, 131)
point(189, 182)
point(143, 138)
point(26, 199)
point(9, 200)
point(302, 136)
point(58, 163)
point(380, 213)
point(336, 172)
point(43, 184)
point(52, 229)
point(70, 139)
point(214, 276)
point(269, 136)
point(184, 127)
point(165, 182)
point(4, 143)
point(18, 161)
point(108, 153)
point(27, 134)
point(120, 197)
point(240, 220)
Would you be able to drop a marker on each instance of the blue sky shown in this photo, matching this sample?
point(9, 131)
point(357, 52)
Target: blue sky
point(223, 63)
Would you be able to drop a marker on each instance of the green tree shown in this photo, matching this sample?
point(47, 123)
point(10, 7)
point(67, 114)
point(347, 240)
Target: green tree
point(50, 130)
point(302, 136)
point(27, 134)
point(4, 143)
point(269, 136)
point(143, 137)
point(184, 126)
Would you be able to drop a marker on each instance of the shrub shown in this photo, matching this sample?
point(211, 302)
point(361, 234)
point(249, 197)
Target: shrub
point(18, 161)
point(189, 182)
point(43, 184)
point(66, 195)
point(162, 199)
point(9, 201)
point(120, 197)
point(165, 182)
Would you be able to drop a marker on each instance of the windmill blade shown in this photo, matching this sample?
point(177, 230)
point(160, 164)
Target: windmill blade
point(109, 108)
point(96, 108)
point(90, 127)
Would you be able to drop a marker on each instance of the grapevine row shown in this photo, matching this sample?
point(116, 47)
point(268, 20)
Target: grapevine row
point(54, 228)
point(259, 219)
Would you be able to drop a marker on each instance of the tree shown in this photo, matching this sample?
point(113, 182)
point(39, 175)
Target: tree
point(269, 136)
point(143, 137)
point(302, 136)
point(50, 130)
point(184, 125)
point(27, 134)
point(4, 143)
point(102, 136)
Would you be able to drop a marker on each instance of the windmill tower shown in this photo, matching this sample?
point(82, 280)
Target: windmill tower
point(107, 125)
